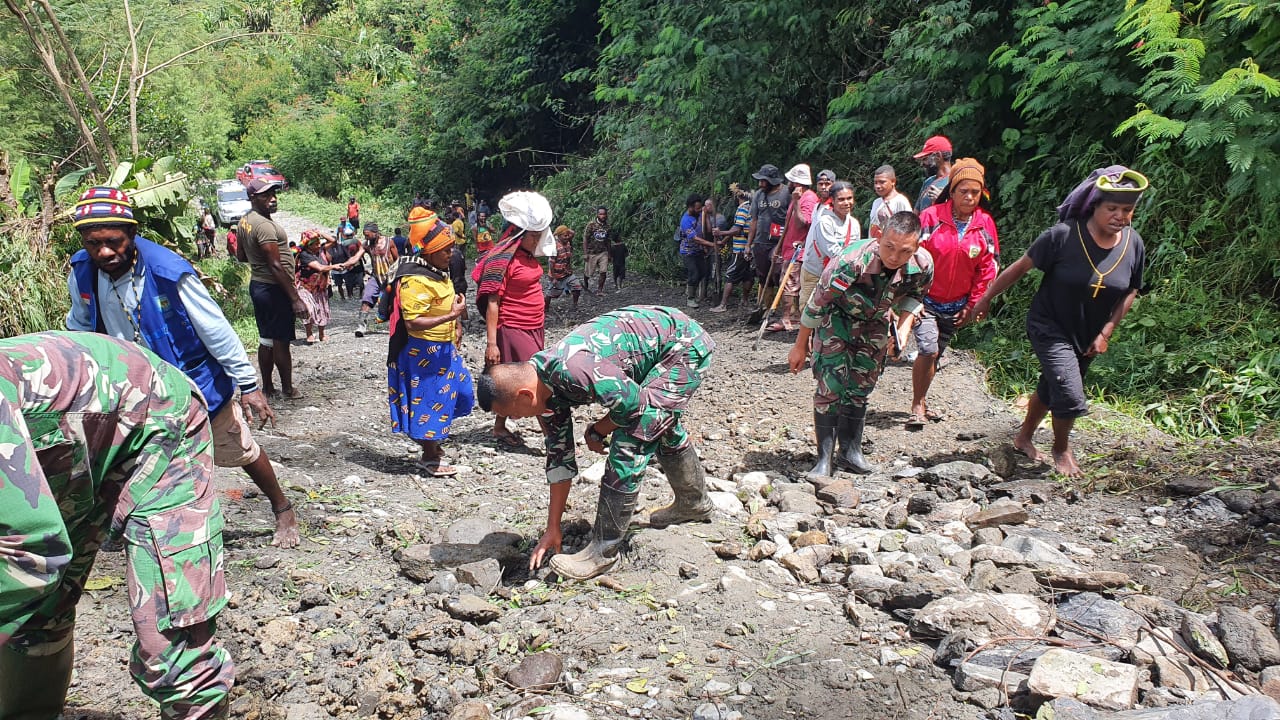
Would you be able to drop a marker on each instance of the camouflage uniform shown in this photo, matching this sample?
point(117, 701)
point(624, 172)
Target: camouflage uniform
point(849, 315)
point(101, 440)
point(642, 363)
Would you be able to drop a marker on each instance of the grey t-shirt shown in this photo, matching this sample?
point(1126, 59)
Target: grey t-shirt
point(1070, 304)
point(769, 209)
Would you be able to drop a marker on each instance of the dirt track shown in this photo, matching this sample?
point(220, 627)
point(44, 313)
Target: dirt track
point(334, 629)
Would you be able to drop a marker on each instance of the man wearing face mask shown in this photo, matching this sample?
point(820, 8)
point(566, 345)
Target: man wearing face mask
point(935, 158)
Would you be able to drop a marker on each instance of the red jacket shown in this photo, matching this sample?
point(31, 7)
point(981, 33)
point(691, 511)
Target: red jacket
point(962, 267)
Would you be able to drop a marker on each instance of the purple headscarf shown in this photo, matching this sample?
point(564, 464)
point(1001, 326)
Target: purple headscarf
point(1114, 180)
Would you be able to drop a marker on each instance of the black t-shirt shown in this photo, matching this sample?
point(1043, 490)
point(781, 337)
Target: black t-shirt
point(769, 209)
point(1070, 303)
point(338, 253)
point(304, 263)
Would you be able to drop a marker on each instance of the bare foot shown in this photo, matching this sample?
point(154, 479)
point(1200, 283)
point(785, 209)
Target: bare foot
point(1065, 463)
point(1028, 449)
point(286, 530)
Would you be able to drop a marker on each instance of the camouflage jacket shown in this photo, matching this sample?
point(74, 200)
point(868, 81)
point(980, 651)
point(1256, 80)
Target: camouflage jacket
point(855, 290)
point(614, 360)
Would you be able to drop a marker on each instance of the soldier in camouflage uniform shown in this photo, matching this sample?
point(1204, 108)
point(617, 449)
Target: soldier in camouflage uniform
point(642, 363)
point(848, 318)
point(100, 440)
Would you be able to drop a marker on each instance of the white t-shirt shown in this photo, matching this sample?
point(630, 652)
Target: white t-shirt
point(828, 236)
point(882, 211)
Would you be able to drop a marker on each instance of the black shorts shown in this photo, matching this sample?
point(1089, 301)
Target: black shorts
point(273, 311)
point(740, 269)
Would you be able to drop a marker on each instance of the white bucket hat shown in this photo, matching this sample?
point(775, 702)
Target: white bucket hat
point(800, 174)
point(532, 212)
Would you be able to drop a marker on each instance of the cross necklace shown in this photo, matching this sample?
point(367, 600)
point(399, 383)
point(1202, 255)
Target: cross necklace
point(1097, 285)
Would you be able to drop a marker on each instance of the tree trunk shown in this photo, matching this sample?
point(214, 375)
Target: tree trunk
point(134, 81)
point(38, 37)
point(90, 99)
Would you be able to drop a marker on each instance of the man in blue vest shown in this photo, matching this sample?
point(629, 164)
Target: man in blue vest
point(133, 289)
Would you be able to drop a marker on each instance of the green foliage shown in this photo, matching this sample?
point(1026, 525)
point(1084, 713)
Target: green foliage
point(35, 296)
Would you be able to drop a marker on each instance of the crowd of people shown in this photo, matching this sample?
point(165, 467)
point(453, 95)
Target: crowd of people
point(110, 434)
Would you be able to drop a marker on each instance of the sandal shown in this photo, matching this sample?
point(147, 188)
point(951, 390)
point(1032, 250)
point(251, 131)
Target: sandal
point(436, 468)
point(510, 439)
point(293, 395)
point(916, 422)
point(932, 416)
point(776, 327)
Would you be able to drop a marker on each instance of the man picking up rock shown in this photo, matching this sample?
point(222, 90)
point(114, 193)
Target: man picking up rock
point(643, 364)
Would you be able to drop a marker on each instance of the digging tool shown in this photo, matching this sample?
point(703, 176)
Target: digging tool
point(763, 310)
point(777, 297)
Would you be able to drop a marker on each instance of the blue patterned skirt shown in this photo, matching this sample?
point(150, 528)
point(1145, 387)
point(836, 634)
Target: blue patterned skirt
point(427, 387)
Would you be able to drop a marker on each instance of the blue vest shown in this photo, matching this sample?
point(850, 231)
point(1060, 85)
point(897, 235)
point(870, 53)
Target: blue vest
point(165, 326)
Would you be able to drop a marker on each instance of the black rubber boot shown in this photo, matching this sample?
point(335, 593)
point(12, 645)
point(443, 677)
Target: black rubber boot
point(34, 687)
point(613, 515)
point(824, 426)
point(853, 418)
point(689, 484)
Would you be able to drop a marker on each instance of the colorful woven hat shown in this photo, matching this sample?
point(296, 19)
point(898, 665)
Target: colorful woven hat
point(103, 206)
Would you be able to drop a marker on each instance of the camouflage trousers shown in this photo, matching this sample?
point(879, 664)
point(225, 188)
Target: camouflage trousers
point(847, 370)
point(628, 456)
point(161, 502)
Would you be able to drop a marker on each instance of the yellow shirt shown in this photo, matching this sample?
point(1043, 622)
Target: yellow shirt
point(459, 232)
point(423, 297)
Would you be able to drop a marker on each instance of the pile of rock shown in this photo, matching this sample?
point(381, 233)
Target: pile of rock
point(1011, 609)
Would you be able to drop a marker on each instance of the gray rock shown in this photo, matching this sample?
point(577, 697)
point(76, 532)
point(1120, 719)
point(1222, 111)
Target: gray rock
point(1021, 581)
point(442, 583)
point(715, 711)
point(717, 688)
point(479, 531)
point(999, 555)
point(727, 503)
point(1239, 501)
point(306, 711)
point(1180, 674)
point(797, 501)
point(539, 671)
point(983, 576)
point(922, 503)
point(1250, 707)
point(562, 711)
point(1202, 641)
point(419, 562)
point(1269, 681)
point(470, 710)
point(1059, 578)
point(1249, 643)
point(919, 591)
point(896, 515)
point(1190, 485)
point(997, 514)
point(955, 473)
point(892, 542)
point(819, 555)
point(1037, 551)
point(1208, 509)
point(971, 677)
point(1088, 615)
point(471, 609)
point(861, 614)
point(983, 616)
point(485, 575)
point(1100, 683)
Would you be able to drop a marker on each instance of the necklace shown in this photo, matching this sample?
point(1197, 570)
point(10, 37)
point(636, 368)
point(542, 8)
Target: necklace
point(961, 227)
point(135, 284)
point(1097, 285)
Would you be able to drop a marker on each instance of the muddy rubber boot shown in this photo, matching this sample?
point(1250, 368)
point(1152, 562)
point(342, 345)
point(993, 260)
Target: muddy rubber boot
point(34, 687)
point(853, 418)
point(824, 426)
point(613, 515)
point(688, 483)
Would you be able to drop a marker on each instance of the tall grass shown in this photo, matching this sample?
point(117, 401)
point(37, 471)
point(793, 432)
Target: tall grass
point(35, 284)
point(388, 214)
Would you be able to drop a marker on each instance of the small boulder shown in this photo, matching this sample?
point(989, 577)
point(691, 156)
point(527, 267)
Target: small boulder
point(997, 514)
point(761, 550)
point(727, 550)
point(471, 608)
point(1097, 682)
point(539, 671)
point(810, 537)
point(983, 616)
point(485, 575)
point(801, 566)
point(1088, 615)
point(1250, 643)
point(1202, 641)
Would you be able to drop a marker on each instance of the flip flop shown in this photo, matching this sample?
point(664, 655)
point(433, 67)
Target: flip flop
point(510, 439)
point(295, 395)
point(933, 416)
point(916, 422)
point(435, 468)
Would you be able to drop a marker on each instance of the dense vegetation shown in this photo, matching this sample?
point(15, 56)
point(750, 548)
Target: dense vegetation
point(635, 103)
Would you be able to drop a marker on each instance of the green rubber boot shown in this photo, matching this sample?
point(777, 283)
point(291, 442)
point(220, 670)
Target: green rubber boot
point(688, 482)
point(34, 686)
point(613, 515)
point(853, 419)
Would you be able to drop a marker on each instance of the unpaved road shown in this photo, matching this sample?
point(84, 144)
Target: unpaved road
point(334, 629)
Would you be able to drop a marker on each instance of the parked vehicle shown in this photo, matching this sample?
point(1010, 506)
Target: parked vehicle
point(259, 169)
point(232, 203)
